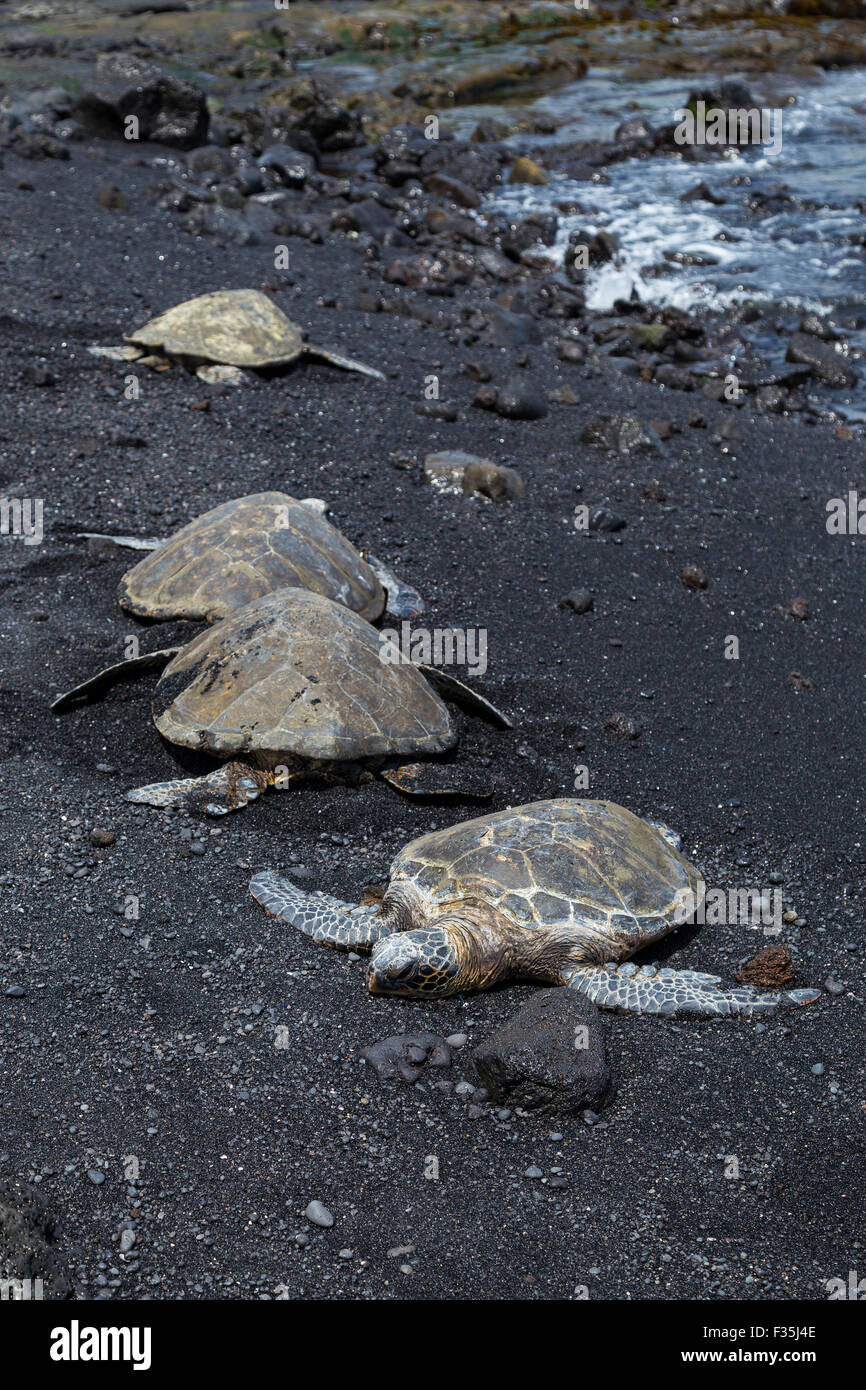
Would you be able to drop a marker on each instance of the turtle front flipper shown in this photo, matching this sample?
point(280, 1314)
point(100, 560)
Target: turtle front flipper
point(676, 993)
point(227, 788)
point(327, 920)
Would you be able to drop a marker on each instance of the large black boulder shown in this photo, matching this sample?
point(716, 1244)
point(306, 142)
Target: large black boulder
point(548, 1057)
point(169, 110)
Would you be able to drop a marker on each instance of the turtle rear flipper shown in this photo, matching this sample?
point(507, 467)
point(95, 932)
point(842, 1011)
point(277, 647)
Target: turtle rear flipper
point(227, 788)
point(123, 542)
point(327, 920)
point(439, 780)
point(677, 993)
point(348, 364)
point(450, 688)
point(121, 670)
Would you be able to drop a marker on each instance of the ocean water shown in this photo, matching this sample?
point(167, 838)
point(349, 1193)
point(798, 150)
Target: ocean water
point(790, 260)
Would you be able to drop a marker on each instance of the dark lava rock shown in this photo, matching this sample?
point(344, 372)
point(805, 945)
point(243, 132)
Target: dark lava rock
point(225, 224)
point(623, 726)
point(519, 399)
point(35, 374)
point(548, 1057)
point(209, 159)
point(113, 198)
point(455, 190)
point(102, 838)
point(798, 681)
point(601, 246)
point(332, 126)
point(771, 400)
point(578, 600)
point(509, 329)
point(731, 94)
point(540, 227)
point(28, 1242)
point(634, 131)
point(700, 194)
point(569, 350)
point(816, 326)
point(795, 608)
point(603, 519)
point(622, 434)
point(406, 1056)
point(169, 111)
point(771, 968)
point(822, 361)
point(366, 216)
point(674, 378)
point(436, 410)
point(291, 167)
point(36, 144)
point(693, 577)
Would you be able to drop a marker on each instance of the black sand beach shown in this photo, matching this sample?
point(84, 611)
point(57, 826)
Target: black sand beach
point(193, 1075)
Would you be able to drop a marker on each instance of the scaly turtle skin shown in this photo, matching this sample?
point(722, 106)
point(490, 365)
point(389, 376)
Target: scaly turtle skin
point(240, 328)
point(561, 892)
point(289, 686)
point(242, 550)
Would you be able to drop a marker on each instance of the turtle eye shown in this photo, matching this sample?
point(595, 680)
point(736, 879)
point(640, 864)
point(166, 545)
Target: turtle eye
point(399, 969)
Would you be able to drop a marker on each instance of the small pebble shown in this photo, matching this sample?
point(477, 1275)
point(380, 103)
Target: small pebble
point(319, 1214)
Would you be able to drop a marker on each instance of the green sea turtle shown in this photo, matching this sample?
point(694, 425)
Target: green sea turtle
point(242, 550)
point(293, 685)
point(561, 892)
point(247, 547)
point(239, 328)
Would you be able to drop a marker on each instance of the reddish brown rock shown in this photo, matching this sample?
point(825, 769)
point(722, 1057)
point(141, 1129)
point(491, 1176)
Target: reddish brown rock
point(771, 968)
point(693, 577)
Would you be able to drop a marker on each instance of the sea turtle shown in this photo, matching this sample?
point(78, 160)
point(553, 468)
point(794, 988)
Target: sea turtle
point(239, 328)
point(561, 892)
point(294, 685)
point(247, 547)
point(242, 550)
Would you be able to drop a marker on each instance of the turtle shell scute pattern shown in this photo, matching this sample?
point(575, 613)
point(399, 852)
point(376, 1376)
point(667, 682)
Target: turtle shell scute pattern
point(294, 674)
point(243, 550)
point(240, 328)
point(557, 863)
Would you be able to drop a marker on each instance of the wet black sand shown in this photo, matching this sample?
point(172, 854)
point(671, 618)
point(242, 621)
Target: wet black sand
point(159, 1043)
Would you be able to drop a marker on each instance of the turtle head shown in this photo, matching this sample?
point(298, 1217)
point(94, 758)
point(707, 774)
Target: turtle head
point(422, 964)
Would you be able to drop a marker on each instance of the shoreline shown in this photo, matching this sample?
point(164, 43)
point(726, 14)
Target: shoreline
point(223, 1053)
